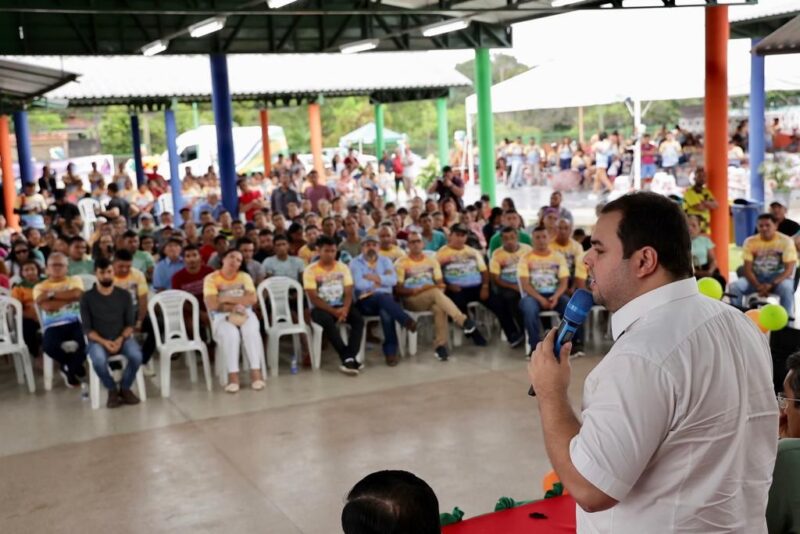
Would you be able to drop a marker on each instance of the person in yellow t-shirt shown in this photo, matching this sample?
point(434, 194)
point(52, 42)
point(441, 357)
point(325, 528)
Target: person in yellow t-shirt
point(543, 276)
point(503, 267)
point(329, 286)
point(387, 248)
point(698, 200)
point(769, 261)
point(229, 294)
point(308, 251)
point(467, 281)
point(420, 285)
point(573, 253)
point(58, 298)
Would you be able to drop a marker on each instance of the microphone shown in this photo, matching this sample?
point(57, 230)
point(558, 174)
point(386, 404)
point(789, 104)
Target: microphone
point(578, 309)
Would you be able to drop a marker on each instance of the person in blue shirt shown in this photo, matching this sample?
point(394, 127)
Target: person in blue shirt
point(212, 205)
point(432, 239)
point(374, 277)
point(168, 266)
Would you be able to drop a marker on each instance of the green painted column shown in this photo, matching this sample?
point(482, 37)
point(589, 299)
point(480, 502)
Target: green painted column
point(441, 121)
point(379, 145)
point(483, 89)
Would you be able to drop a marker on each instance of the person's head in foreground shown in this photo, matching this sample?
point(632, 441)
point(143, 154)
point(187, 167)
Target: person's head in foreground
point(789, 399)
point(391, 502)
point(641, 242)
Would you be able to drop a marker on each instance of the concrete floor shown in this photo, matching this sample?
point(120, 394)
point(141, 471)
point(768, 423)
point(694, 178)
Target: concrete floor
point(277, 461)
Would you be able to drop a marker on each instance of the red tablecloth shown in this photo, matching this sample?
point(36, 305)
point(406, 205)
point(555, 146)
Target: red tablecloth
point(560, 512)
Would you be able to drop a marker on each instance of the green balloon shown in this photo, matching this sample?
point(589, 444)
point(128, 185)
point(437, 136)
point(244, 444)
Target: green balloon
point(773, 317)
point(710, 287)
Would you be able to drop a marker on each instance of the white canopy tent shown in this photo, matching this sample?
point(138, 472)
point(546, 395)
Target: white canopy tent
point(565, 83)
point(365, 135)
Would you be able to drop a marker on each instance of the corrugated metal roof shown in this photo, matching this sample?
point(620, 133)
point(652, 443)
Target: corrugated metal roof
point(765, 9)
point(116, 79)
point(784, 40)
point(22, 81)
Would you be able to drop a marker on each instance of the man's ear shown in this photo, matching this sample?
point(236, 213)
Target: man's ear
point(646, 261)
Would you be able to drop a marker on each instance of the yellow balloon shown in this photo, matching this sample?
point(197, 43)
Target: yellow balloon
point(773, 317)
point(710, 287)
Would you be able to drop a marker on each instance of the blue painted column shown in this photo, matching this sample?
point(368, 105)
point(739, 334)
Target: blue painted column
point(23, 146)
point(136, 139)
point(756, 124)
point(171, 131)
point(223, 119)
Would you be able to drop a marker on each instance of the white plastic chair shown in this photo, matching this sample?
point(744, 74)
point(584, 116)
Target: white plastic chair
point(376, 319)
point(94, 381)
point(47, 361)
point(317, 333)
point(221, 364)
point(88, 208)
point(280, 321)
point(410, 338)
point(474, 309)
point(12, 342)
point(176, 337)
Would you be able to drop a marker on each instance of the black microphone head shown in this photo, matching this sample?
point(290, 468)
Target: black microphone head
point(579, 306)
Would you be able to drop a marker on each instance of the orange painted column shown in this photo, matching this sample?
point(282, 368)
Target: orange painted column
point(9, 191)
point(315, 129)
point(265, 142)
point(716, 128)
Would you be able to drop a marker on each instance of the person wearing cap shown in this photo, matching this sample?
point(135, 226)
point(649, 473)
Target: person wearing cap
point(786, 226)
point(329, 286)
point(375, 277)
point(698, 200)
point(467, 279)
point(147, 225)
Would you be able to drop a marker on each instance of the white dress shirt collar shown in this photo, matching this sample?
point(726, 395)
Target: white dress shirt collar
point(633, 310)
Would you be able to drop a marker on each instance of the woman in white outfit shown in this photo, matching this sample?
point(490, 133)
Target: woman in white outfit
point(229, 294)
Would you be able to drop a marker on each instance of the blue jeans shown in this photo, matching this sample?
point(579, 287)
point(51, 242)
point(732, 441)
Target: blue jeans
point(389, 310)
point(530, 315)
point(785, 290)
point(99, 356)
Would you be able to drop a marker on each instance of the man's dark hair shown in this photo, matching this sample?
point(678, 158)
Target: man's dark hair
point(389, 205)
point(101, 264)
point(510, 212)
point(113, 188)
point(311, 227)
point(123, 255)
point(325, 241)
point(539, 228)
point(446, 169)
point(189, 247)
point(793, 364)
point(264, 231)
point(174, 241)
point(219, 238)
point(76, 239)
point(769, 216)
point(508, 230)
point(391, 501)
point(280, 237)
point(237, 222)
point(127, 234)
point(206, 225)
point(244, 241)
point(651, 220)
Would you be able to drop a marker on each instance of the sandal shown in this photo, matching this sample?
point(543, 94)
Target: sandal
point(232, 387)
point(258, 385)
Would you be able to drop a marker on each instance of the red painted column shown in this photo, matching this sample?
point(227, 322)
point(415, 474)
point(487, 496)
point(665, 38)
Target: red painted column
point(265, 141)
point(9, 191)
point(315, 129)
point(716, 128)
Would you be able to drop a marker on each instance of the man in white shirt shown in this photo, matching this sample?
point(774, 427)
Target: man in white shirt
point(679, 420)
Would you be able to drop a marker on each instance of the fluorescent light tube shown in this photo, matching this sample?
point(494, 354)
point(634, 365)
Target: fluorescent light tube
point(446, 26)
point(359, 46)
point(204, 27)
point(275, 4)
point(156, 47)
